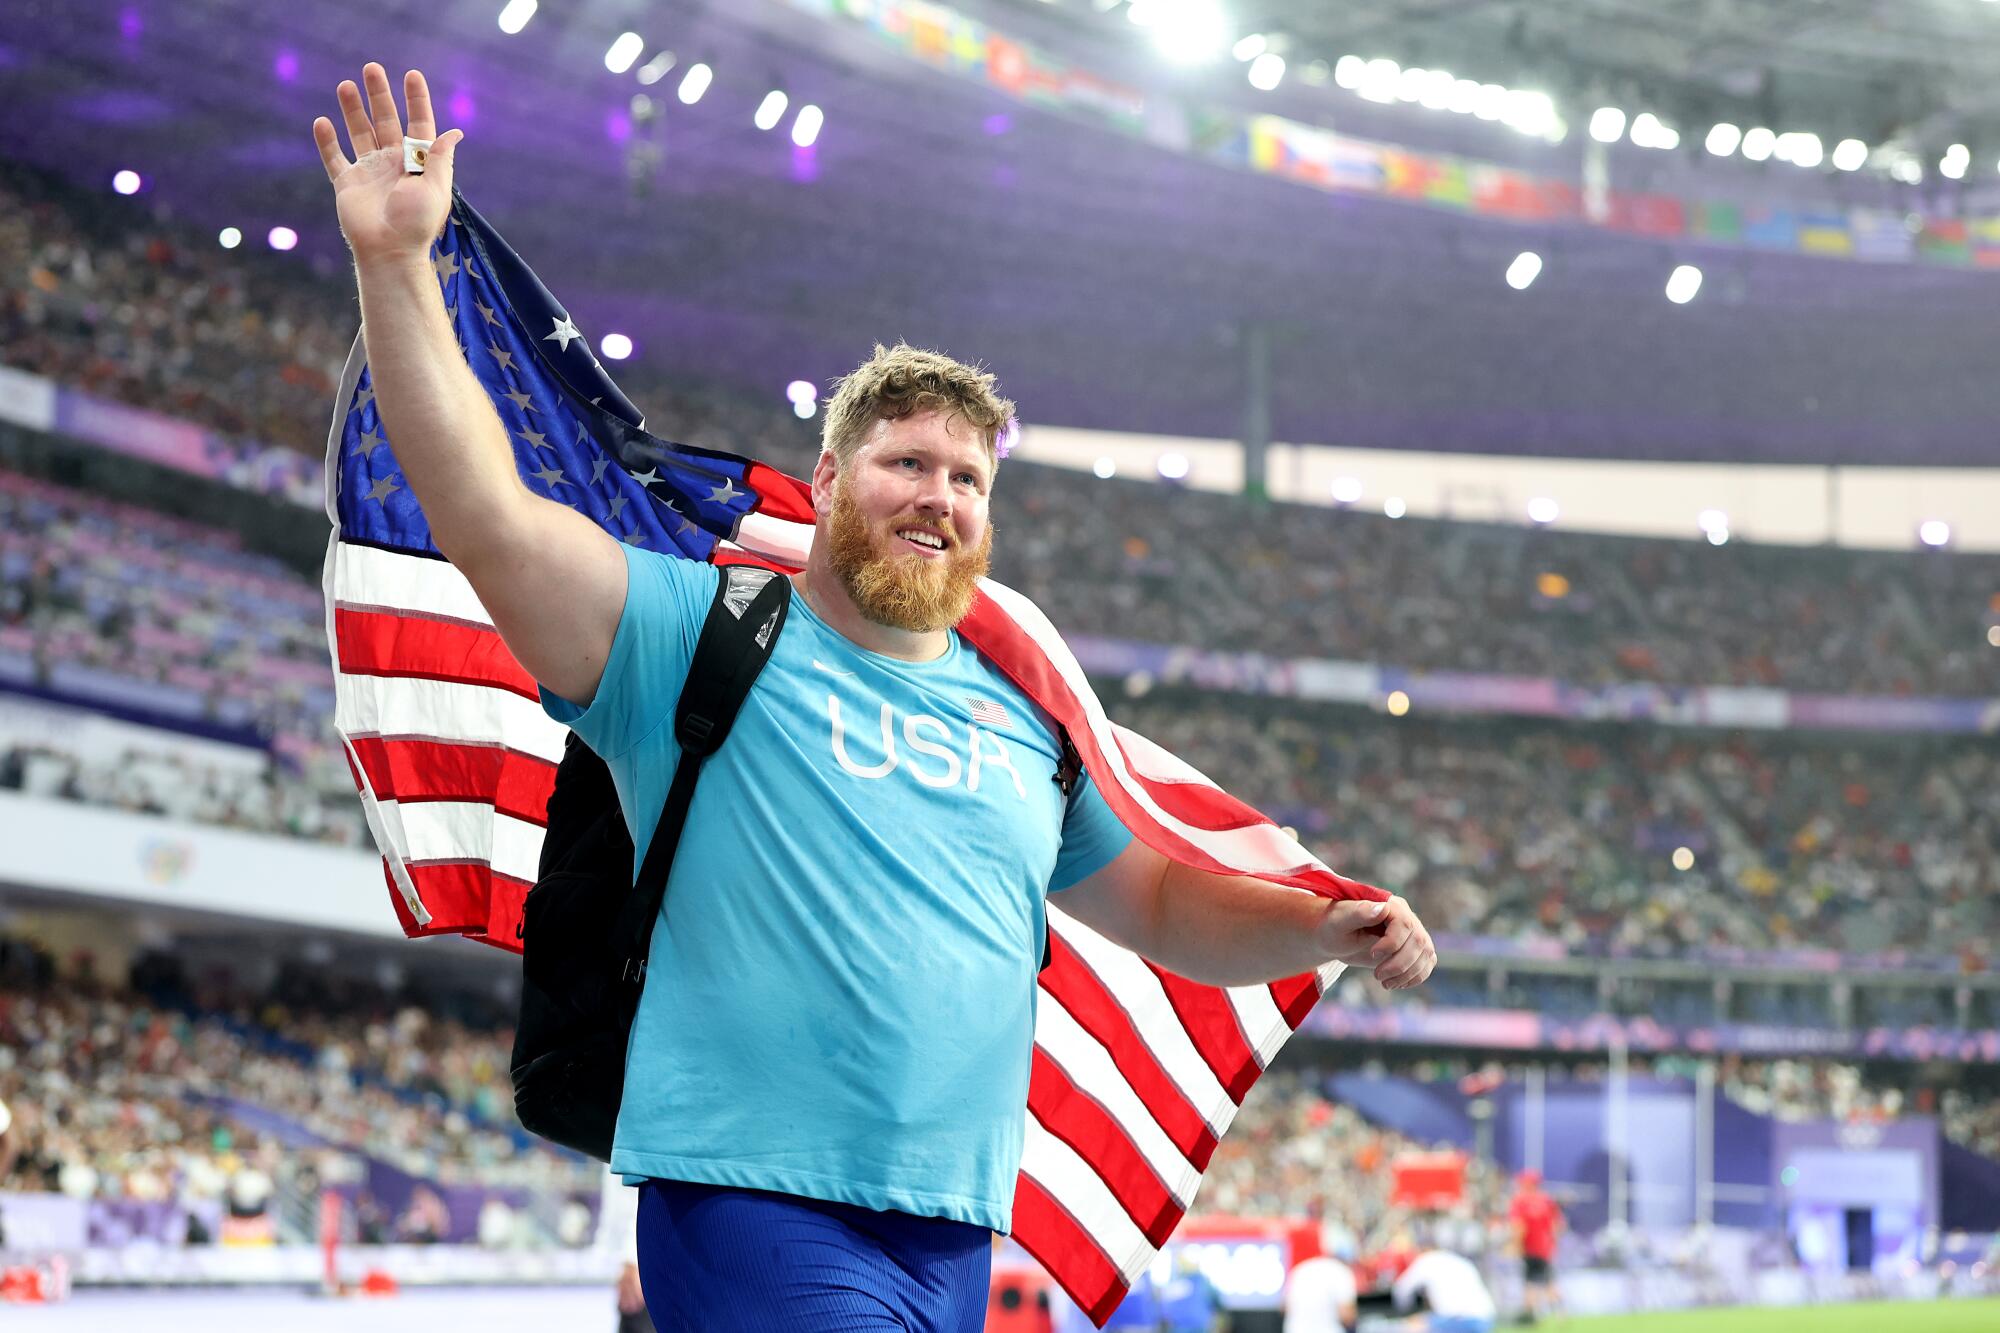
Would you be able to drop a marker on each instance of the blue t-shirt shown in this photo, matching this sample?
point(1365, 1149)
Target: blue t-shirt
point(840, 1000)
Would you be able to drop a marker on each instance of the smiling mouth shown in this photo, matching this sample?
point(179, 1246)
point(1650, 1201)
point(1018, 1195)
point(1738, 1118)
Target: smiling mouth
point(913, 539)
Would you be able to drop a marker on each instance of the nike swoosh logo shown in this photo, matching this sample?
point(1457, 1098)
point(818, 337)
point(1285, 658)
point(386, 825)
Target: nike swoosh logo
point(829, 670)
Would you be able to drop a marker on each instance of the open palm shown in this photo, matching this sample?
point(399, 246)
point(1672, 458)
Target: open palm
point(386, 212)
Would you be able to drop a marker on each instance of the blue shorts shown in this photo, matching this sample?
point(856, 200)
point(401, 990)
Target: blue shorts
point(1460, 1324)
point(719, 1260)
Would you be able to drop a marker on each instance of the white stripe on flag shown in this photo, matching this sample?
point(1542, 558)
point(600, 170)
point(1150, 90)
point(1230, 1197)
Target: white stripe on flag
point(445, 831)
point(1145, 1002)
point(1091, 1068)
point(1071, 1182)
point(444, 710)
point(367, 576)
point(778, 539)
point(1264, 1028)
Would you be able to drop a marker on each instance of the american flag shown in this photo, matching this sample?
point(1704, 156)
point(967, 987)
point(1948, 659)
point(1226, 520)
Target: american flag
point(1136, 1072)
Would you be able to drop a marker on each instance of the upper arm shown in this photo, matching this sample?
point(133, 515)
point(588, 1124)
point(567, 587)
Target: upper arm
point(555, 584)
point(1121, 899)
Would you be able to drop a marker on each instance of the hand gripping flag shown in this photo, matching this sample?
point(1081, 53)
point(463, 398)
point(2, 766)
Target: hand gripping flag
point(1136, 1072)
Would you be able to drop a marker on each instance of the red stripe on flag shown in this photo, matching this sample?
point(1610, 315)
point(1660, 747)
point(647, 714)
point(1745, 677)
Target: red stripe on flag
point(1210, 1020)
point(467, 898)
point(1295, 997)
point(384, 643)
point(779, 495)
point(1071, 1255)
point(413, 771)
point(1078, 1120)
point(1069, 981)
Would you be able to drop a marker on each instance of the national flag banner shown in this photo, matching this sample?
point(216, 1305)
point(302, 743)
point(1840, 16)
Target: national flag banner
point(987, 713)
point(1136, 1072)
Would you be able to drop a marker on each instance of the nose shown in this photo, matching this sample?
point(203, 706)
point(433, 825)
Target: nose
point(934, 494)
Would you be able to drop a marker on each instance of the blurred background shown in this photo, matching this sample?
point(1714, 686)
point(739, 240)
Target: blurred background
point(1544, 453)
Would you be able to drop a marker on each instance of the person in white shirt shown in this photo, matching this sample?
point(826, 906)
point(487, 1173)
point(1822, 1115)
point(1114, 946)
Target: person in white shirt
point(1320, 1292)
point(1452, 1288)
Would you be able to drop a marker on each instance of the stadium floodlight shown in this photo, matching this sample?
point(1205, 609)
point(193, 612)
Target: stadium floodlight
point(1186, 32)
point(1807, 150)
point(1533, 114)
point(1464, 97)
point(624, 52)
point(1492, 102)
point(1907, 169)
point(1348, 71)
point(805, 129)
point(1397, 704)
point(126, 182)
point(1104, 469)
point(1394, 507)
point(1521, 274)
point(1711, 519)
point(1267, 71)
point(1410, 83)
point(1542, 509)
point(1379, 79)
point(1437, 90)
point(771, 110)
point(1723, 139)
point(282, 238)
point(1346, 490)
point(1850, 155)
point(1646, 129)
point(1934, 532)
point(801, 391)
point(1955, 161)
point(615, 346)
point(1174, 467)
point(230, 238)
point(515, 15)
point(694, 83)
point(1683, 283)
point(1718, 536)
point(1993, 635)
point(1607, 124)
point(1683, 858)
point(656, 69)
point(804, 409)
point(1256, 43)
point(1759, 143)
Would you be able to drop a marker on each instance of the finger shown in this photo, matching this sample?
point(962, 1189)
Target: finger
point(1393, 939)
point(360, 134)
point(330, 156)
point(1422, 963)
point(417, 97)
point(382, 106)
point(1403, 961)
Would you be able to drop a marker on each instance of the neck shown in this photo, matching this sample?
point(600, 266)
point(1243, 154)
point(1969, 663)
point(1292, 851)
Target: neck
point(827, 596)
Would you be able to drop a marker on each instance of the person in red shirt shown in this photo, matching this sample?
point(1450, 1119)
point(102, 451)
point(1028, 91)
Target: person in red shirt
point(1538, 1221)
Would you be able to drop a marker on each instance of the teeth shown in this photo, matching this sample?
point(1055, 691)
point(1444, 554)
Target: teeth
point(930, 539)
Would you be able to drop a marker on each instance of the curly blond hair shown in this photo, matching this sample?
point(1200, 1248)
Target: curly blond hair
point(903, 380)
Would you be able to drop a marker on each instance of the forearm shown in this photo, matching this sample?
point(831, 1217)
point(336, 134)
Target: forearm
point(1236, 930)
point(450, 444)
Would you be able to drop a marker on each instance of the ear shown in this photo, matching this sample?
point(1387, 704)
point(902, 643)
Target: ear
point(825, 471)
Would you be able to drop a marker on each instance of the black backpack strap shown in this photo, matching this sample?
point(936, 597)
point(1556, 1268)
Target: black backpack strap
point(736, 641)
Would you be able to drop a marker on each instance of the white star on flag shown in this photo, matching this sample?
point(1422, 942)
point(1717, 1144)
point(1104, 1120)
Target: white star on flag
point(565, 331)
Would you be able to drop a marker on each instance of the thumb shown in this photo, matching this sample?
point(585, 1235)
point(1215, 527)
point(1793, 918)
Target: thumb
point(1349, 918)
point(444, 153)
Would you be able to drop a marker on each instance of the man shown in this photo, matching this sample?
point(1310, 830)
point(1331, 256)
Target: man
point(1538, 1222)
point(827, 1075)
point(1452, 1291)
point(1321, 1295)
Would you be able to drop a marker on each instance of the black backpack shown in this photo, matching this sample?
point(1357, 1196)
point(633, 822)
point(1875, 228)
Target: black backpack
point(587, 926)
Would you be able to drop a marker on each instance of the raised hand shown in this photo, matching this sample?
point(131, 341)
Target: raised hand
point(385, 212)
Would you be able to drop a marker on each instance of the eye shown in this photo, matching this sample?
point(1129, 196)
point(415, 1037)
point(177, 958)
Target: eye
point(969, 480)
point(911, 461)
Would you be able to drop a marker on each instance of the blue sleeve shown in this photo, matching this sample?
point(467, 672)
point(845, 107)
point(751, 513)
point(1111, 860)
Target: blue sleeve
point(1092, 837)
point(666, 600)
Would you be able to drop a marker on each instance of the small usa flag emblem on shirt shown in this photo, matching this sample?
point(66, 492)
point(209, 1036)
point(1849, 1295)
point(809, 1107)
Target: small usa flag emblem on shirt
point(987, 713)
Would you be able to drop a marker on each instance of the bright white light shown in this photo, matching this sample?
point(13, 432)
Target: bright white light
point(1104, 469)
point(1723, 138)
point(1379, 79)
point(1934, 532)
point(1185, 31)
point(1807, 150)
point(1530, 113)
point(615, 346)
point(1683, 284)
point(627, 49)
point(126, 182)
point(1669, 138)
point(515, 16)
point(804, 409)
point(1249, 48)
point(1348, 71)
point(1907, 170)
point(1542, 509)
point(1436, 92)
point(801, 391)
point(1607, 124)
point(656, 69)
point(1347, 489)
point(1464, 97)
point(1718, 536)
point(1267, 71)
point(1683, 858)
point(230, 238)
point(1410, 84)
point(806, 126)
point(1954, 162)
point(1646, 129)
point(1394, 507)
point(1850, 155)
point(282, 238)
point(1173, 466)
point(1711, 519)
point(1993, 635)
point(694, 83)
point(1521, 274)
point(1759, 143)
point(771, 110)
